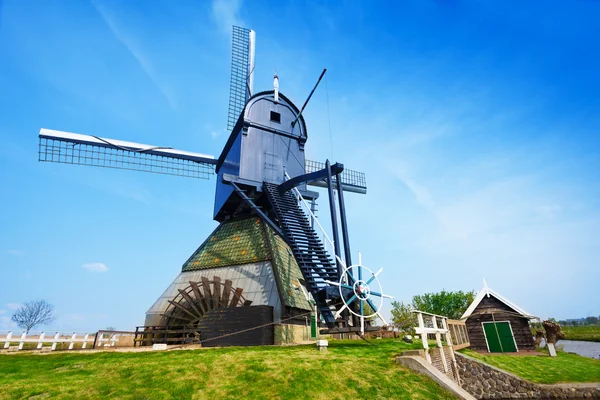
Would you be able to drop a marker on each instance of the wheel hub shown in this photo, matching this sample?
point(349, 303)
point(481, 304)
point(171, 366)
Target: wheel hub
point(361, 290)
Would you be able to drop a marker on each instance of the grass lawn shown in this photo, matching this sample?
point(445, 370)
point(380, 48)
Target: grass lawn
point(349, 369)
point(544, 369)
point(590, 333)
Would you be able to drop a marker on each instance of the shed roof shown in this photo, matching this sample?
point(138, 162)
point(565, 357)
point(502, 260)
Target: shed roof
point(487, 292)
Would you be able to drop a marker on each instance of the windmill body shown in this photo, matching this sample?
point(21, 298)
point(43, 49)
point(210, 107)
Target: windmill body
point(265, 261)
point(262, 146)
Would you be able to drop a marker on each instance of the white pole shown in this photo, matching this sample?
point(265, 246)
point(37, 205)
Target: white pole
point(56, 336)
point(41, 341)
point(23, 336)
point(424, 336)
point(85, 339)
point(7, 340)
point(438, 339)
point(251, 49)
point(72, 341)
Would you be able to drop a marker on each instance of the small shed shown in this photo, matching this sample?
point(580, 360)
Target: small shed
point(496, 325)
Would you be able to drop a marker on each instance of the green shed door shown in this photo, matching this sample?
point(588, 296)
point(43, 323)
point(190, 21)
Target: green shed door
point(503, 333)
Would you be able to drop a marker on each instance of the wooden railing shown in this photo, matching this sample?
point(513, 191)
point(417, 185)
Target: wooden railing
point(437, 325)
point(458, 331)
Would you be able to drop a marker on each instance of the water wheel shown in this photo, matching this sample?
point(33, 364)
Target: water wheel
point(191, 304)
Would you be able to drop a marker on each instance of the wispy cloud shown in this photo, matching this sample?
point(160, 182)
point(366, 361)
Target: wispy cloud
point(95, 267)
point(2, 312)
point(225, 13)
point(13, 306)
point(133, 47)
point(14, 252)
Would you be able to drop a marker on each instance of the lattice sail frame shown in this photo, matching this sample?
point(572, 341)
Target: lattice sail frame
point(242, 69)
point(352, 181)
point(73, 148)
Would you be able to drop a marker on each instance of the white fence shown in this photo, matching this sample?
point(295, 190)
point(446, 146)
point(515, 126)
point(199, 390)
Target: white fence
point(43, 340)
point(431, 324)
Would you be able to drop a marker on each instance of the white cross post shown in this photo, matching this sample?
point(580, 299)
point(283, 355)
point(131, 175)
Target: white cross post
point(55, 341)
point(41, 340)
point(7, 340)
point(22, 342)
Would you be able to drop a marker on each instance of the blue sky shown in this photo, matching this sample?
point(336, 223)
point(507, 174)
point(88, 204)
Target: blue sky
point(476, 123)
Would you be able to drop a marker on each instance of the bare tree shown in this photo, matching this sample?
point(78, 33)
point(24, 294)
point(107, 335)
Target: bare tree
point(33, 313)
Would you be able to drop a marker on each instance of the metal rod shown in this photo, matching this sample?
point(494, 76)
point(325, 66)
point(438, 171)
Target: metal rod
point(309, 96)
point(334, 223)
point(345, 237)
point(313, 210)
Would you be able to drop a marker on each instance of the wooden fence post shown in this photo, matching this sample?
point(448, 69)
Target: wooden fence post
point(7, 340)
point(22, 342)
point(72, 341)
point(451, 346)
point(424, 336)
point(55, 341)
point(41, 340)
point(438, 339)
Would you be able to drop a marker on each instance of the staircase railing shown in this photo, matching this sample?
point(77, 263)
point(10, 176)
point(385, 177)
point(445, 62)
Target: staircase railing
point(327, 239)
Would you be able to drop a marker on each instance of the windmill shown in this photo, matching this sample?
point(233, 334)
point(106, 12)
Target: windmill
point(262, 180)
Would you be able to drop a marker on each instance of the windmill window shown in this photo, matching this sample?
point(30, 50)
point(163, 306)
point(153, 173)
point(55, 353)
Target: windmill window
point(275, 117)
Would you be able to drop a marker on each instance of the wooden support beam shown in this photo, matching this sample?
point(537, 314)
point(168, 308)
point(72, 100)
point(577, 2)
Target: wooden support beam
point(191, 301)
point(206, 289)
point(217, 291)
point(226, 291)
point(196, 291)
point(182, 308)
point(236, 297)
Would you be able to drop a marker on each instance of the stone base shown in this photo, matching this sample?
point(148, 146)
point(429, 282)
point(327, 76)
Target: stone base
point(487, 382)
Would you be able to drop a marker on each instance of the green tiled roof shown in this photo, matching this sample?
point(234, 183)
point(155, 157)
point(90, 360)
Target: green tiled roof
point(248, 241)
point(288, 273)
point(232, 243)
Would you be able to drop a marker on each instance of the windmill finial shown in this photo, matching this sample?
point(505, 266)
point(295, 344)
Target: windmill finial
point(276, 87)
point(486, 288)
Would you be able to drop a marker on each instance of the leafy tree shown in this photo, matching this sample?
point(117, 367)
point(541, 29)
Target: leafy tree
point(402, 318)
point(448, 304)
point(34, 313)
point(591, 320)
point(562, 322)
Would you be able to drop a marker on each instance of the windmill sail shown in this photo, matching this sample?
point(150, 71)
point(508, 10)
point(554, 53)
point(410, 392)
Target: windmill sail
point(74, 148)
point(352, 181)
point(242, 73)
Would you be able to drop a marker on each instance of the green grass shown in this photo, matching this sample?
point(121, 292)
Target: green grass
point(590, 333)
point(349, 369)
point(564, 368)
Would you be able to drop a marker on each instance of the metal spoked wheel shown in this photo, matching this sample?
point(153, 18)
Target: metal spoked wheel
point(360, 283)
